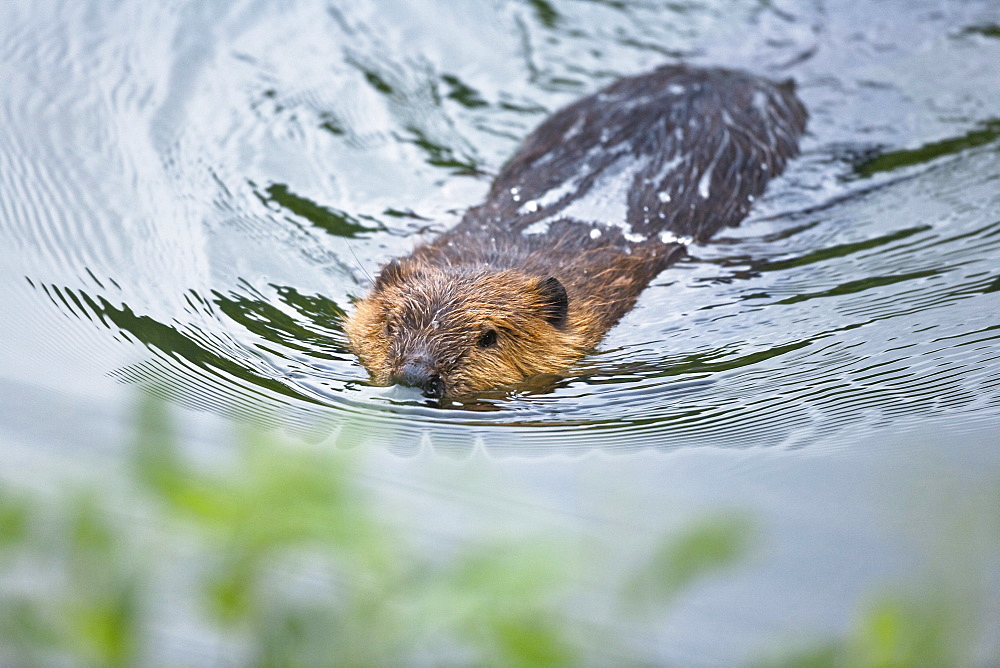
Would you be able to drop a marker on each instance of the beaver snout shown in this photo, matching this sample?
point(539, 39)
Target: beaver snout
point(419, 371)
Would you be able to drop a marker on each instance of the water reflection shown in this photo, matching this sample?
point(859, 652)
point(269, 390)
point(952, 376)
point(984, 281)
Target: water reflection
point(861, 291)
point(190, 194)
point(339, 223)
point(987, 133)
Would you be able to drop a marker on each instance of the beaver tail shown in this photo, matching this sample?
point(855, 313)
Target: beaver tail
point(676, 154)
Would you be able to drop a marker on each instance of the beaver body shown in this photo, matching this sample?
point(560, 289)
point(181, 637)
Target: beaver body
point(601, 197)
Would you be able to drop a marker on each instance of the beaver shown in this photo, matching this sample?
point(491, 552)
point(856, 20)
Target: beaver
point(601, 197)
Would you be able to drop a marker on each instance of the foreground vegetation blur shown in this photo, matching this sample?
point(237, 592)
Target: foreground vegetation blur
point(283, 557)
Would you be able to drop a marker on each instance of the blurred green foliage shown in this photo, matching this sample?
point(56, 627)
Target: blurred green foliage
point(710, 545)
point(281, 557)
point(78, 593)
point(925, 630)
point(936, 619)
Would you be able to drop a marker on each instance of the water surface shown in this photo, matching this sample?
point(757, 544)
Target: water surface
point(191, 194)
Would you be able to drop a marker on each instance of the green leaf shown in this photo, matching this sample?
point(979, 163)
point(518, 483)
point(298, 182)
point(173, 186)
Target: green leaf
point(704, 548)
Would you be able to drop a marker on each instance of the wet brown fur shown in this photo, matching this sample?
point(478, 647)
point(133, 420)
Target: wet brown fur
point(488, 304)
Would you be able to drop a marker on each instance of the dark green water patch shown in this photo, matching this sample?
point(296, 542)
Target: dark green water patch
point(156, 335)
point(986, 30)
point(334, 221)
point(272, 324)
point(704, 364)
point(987, 132)
point(545, 12)
point(439, 155)
point(840, 250)
point(465, 95)
point(378, 83)
point(852, 287)
point(332, 124)
point(401, 213)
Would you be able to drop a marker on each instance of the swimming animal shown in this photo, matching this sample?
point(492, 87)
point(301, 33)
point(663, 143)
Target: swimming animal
point(604, 195)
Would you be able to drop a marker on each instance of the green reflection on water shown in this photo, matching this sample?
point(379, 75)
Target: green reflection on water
point(839, 250)
point(171, 341)
point(320, 337)
point(339, 223)
point(852, 287)
point(987, 132)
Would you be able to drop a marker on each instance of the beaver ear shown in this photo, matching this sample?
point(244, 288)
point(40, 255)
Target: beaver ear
point(555, 301)
point(392, 272)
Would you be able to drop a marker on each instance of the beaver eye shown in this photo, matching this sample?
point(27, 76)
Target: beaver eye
point(487, 339)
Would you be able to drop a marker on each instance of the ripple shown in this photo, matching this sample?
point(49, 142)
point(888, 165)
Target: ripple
point(204, 206)
point(987, 132)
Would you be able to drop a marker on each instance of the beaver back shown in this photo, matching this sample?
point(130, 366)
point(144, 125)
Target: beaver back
point(677, 153)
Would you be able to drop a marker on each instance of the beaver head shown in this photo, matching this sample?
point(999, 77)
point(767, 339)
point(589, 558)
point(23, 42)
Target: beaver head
point(455, 330)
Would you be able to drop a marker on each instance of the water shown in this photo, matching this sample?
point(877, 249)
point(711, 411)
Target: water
point(192, 193)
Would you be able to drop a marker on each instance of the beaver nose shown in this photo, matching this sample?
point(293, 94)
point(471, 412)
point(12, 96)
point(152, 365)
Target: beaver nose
point(419, 372)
